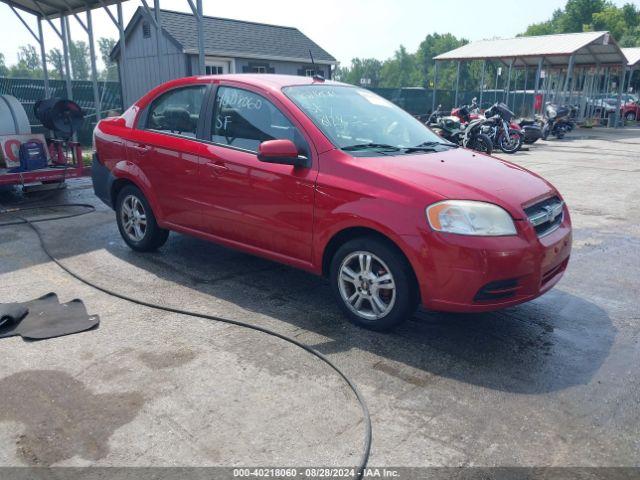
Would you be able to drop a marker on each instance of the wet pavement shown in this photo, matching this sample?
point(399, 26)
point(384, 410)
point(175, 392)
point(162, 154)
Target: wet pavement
point(551, 383)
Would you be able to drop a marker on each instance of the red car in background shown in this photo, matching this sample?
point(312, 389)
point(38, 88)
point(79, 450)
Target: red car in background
point(631, 111)
point(335, 180)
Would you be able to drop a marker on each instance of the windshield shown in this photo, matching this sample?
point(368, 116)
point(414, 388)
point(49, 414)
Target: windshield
point(358, 120)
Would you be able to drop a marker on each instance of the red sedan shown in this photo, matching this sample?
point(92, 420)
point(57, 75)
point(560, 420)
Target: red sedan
point(335, 180)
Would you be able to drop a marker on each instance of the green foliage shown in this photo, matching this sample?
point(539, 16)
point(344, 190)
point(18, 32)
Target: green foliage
point(593, 15)
point(105, 45)
point(4, 71)
point(56, 61)
point(79, 56)
point(28, 65)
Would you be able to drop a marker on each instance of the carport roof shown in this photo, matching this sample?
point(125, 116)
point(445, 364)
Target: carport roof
point(588, 48)
point(633, 56)
point(56, 8)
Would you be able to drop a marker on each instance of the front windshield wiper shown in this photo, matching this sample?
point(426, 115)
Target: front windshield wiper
point(371, 146)
point(429, 146)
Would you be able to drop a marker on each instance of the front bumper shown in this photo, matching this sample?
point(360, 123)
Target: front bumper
point(476, 274)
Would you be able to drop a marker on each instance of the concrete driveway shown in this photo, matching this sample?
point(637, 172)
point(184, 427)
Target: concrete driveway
point(550, 383)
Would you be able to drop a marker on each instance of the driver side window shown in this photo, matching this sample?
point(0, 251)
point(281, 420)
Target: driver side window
point(244, 120)
point(177, 111)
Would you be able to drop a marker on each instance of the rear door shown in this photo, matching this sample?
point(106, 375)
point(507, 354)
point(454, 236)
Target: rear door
point(167, 151)
point(263, 205)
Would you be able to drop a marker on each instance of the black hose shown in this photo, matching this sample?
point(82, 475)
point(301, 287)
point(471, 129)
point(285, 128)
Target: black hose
point(89, 209)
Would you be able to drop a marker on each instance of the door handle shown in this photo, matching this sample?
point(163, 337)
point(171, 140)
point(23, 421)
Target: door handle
point(142, 148)
point(218, 166)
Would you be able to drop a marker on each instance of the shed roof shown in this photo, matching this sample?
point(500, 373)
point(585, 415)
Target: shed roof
point(56, 8)
point(226, 37)
point(633, 56)
point(588, 48)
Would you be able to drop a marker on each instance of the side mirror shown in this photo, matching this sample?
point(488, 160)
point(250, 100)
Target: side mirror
point(283, 152)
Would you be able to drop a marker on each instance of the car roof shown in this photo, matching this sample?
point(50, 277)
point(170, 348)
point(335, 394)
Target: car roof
point(269, 80)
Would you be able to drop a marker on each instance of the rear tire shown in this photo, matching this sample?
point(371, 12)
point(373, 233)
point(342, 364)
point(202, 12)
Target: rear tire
point(630, 116)
point(373, 284)
point(137, 223)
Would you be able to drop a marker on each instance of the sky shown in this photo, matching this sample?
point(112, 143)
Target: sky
point(345, 28)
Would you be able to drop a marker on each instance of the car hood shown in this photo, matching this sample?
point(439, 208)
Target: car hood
point(465, 175)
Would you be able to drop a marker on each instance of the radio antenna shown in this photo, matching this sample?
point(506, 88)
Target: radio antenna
point(316, 76)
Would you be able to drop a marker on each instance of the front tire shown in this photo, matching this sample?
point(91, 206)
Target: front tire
point(137, 223)
point(510, 142)
point(483, 144)
point(373, 284)
point(630, 116)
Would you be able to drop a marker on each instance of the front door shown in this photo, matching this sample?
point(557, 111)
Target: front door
point(268, 206)
point(167, 152)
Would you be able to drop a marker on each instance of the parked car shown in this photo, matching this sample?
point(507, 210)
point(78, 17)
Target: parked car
point(338, 181)
point(631, 111)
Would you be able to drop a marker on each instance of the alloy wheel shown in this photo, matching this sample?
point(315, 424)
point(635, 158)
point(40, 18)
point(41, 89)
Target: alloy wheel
point(367, 285)
point(134, 218)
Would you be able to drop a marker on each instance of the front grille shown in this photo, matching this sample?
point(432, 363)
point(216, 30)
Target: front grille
point(546, 216)
point(497, 290)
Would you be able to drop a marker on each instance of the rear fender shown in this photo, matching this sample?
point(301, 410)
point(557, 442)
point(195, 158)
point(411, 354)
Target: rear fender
point(129, 171)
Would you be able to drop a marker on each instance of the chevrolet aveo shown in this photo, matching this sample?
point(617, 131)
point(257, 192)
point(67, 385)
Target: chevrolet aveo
point(337, 181)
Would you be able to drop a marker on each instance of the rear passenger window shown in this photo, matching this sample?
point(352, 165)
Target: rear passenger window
point(244, 120)
point(177, 111)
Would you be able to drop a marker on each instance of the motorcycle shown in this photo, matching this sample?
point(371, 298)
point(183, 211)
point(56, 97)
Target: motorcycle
point(531, 130)
point(557, 121)
point(500, 130)
point(468, 136)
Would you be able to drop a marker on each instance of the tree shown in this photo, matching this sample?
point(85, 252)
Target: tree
point(361, 68)
point(4, 71)
point(579, 13)
point(399, 71)
point(28, 65)
point(56, 60)
point(79, 56)
point(106, 45)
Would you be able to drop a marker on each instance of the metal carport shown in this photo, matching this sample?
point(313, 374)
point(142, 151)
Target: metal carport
point(62, 10)
point(593, 54)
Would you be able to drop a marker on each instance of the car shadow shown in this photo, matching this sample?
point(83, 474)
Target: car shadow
point(556, 342)
point(553, 343)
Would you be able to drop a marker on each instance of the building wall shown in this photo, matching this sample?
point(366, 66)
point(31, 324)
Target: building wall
point(282, 68)
point(142, 72)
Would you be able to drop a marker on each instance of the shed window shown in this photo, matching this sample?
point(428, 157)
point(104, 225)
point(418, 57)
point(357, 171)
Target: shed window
point(146, 30)
point(259, 69)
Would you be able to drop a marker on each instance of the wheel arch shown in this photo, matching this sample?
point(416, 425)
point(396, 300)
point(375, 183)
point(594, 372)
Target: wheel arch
point(350, 233)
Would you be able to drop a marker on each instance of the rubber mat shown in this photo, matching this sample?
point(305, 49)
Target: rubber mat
point(45, 317)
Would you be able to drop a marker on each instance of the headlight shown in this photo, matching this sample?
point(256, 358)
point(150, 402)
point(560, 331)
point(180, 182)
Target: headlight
point(465, 217)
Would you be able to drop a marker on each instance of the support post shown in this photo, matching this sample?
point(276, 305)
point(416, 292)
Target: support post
point(524, 93)
point(197, 12)
point(94, 69)
point(457, 85)
point(64, 27)
point(43, 54)
point(508, 82)
point(617, 120)
point(630, 71)
point(484, 67)
point(569, 77)
point(435, 87)
point(537, 84)
point(156, 10)
point(123, 58)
